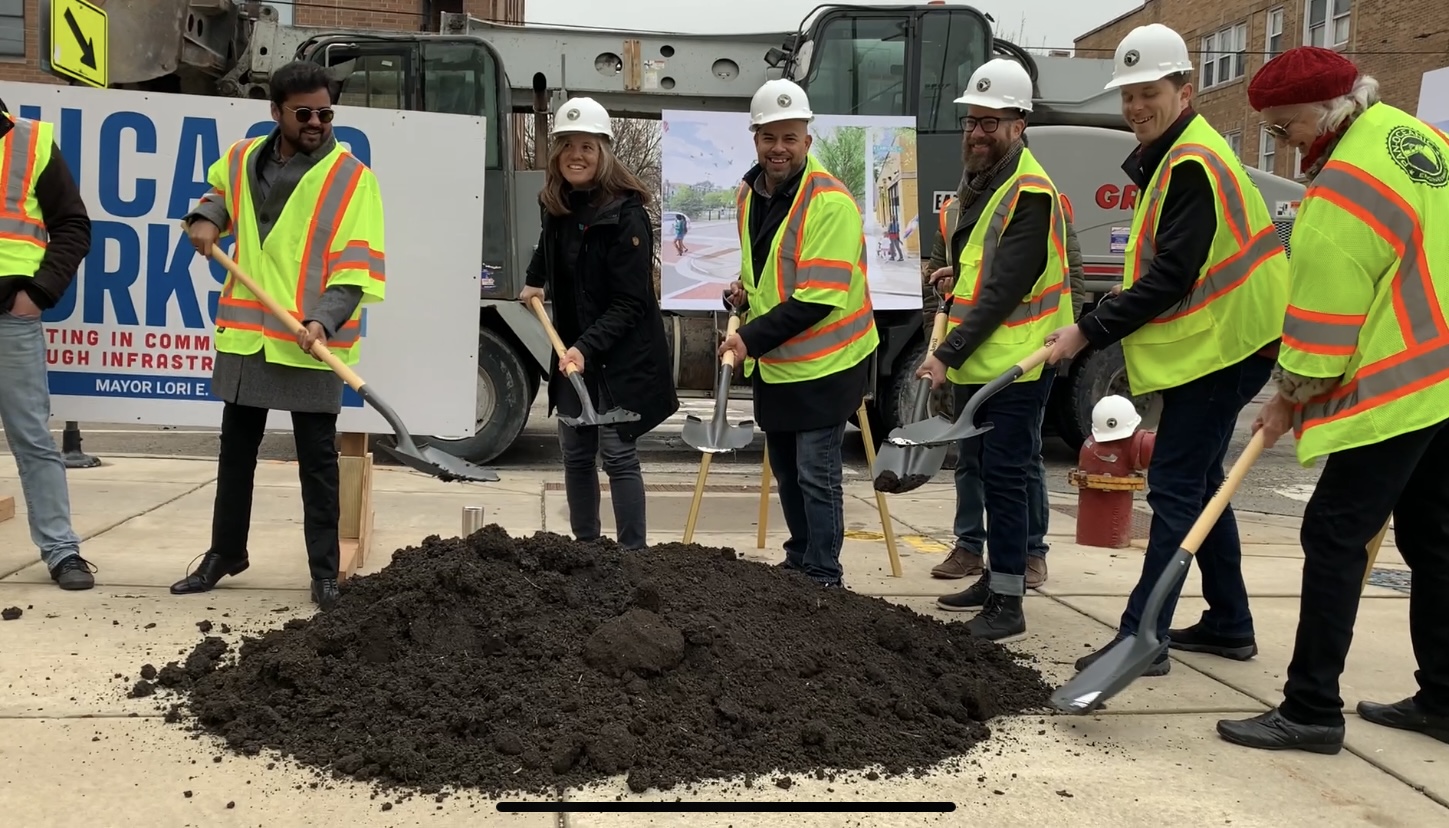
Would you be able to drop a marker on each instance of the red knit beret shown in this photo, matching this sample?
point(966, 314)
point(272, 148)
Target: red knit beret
point(1303, 74)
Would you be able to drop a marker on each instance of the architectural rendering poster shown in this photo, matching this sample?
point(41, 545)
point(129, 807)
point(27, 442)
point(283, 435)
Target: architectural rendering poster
point(704, 156)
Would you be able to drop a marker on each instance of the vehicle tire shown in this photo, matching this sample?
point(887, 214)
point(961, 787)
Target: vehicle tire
point(506, 388)
point(1095, 374)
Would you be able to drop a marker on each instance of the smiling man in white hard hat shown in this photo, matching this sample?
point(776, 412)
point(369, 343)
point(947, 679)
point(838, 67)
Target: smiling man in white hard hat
point(808, 327)
point(1206, 287)
point(1007, 243)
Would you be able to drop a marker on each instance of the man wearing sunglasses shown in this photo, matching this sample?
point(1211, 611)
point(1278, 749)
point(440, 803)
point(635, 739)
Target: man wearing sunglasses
point(307, 219)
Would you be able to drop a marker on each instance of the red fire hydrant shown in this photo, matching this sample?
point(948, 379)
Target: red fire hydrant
point(1109, 469)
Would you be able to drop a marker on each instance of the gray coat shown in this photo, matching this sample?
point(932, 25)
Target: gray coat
point(251, 380)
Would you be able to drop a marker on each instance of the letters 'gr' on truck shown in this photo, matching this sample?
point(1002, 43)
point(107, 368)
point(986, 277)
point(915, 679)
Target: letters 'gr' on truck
point(908, 61)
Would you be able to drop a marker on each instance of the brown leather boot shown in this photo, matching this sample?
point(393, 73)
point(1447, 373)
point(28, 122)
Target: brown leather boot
point(961, 563)
point(1036, 571)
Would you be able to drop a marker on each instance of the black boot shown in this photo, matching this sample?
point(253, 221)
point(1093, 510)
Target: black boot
point(1271, 731)
point(1000, 620)
point(1406, 715)
point(973, 597)
point(1195, 639)
point(325, 593)
point(213, 568)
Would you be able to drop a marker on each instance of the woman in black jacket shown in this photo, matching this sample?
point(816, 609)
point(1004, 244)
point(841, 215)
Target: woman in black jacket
point(595, 255)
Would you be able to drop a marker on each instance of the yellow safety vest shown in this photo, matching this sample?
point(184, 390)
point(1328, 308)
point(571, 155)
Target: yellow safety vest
point(25, 151)
point(1026, 328)
point(1370, 286)
point(329, 233)
point(817, 255)
point(1236, 305)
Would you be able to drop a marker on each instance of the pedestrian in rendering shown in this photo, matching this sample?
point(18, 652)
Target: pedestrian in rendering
point(43, 240)
point(595, 261)
point(1363, 381)
point(808, 328)
point(294, 195)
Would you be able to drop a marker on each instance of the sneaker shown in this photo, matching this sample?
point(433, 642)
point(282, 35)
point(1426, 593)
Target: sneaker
point(972, 598)
point(1000, 620)
point(74, 573)
point(961, 563)
point(1036, 571)
point(1195, 639)
point(1159, 667)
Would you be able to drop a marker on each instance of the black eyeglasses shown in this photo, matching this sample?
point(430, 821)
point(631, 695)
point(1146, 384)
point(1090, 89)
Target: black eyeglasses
point(304, 114)
point(988, 125)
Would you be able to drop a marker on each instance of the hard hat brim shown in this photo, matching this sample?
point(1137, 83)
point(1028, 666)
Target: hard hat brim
point(1143, 76)
point(973, 99)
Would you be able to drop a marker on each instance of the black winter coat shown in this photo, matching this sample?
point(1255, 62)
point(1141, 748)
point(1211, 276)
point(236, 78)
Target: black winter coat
point(605, 306)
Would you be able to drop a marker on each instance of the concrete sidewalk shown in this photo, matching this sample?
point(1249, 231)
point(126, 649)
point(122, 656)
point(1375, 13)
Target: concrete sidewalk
point(75, 751)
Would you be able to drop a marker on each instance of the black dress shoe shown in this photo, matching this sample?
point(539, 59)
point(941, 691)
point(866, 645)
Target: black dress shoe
point(1270, 731)
point(1406, 715)
point(325, 593)
point(213, 568)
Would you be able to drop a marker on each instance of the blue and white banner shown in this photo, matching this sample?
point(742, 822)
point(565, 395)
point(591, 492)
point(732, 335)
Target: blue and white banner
point(132, 340)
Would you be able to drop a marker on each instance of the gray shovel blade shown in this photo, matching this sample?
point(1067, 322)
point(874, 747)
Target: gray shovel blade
point(439, 463)
point(901, 469)
point(587, 415)
point(702, 436)
point(937, 431)
point(1109, 675)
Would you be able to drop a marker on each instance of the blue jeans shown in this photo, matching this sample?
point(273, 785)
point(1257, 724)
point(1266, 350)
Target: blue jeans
point(25, 414)
point(807, 468)
point(1193, 435)
point(581, 447)
point(1004, 460)
point(969, 527)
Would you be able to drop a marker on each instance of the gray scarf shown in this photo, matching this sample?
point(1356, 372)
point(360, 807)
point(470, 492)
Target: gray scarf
point(972, 186)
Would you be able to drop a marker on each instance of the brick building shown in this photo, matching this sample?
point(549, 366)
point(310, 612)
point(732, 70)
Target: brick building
point(1395, 41)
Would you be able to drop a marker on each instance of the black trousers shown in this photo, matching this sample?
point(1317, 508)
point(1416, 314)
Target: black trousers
point(1356, 493)
point(242, 428)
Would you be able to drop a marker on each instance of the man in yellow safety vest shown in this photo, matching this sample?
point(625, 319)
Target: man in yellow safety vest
point(45, 234)
point(1205, 285)
point(1363, 380)
point(808, 327)
point(307, 218)
point(1009, 261)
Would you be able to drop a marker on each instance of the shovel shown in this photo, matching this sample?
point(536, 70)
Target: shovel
point(939, 431)
point(1130, 657)
point(898, 469)
point(719, 436)
point(425, 459)
point(587, 415)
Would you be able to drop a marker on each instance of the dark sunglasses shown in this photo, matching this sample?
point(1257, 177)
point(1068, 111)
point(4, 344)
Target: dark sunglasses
point(988, 125)
point(304, 114)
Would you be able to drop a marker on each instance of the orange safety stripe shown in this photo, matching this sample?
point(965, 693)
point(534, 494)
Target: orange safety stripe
point(1229, 273)
point(1067, 207)
point(317, 260)
point(17, 171)
point(1033, 307)
point(792, 274)
point(1425, 359)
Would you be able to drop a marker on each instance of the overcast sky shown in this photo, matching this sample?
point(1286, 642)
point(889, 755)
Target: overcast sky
point(1048, 23)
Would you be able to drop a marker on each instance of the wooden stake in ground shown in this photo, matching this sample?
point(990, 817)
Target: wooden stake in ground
point(354, 495)
point(1373, 553)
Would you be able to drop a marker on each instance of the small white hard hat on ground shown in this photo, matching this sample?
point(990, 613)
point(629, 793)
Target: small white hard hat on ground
point(1114, 418)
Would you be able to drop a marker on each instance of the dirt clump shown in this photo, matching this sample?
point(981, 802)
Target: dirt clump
point(538, 664)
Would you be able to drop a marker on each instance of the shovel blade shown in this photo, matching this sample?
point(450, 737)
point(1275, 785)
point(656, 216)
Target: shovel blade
point(439, 463)
point(900, 469)
point(703, 436)
point(937, 431)
point(1109, 675)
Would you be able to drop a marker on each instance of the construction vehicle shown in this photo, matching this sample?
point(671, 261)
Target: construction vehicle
point(902, 60)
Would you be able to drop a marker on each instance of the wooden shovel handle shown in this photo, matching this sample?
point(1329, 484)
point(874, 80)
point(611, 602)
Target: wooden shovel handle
point(1037, 358)
point(558, 346)
point(730, 328)
point(938, 331)
point(319, 348)
point(1209, 517)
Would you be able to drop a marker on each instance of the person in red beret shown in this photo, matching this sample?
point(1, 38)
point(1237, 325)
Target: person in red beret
point(1362, 380)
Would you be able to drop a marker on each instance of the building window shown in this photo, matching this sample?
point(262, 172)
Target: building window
point(1235, 140)
point(1267, 151)
point(1223, 55)
point(1327, 22)
point(1274, 27)
point(12, 28)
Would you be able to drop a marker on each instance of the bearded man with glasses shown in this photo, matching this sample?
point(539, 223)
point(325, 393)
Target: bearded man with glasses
point(307, 218)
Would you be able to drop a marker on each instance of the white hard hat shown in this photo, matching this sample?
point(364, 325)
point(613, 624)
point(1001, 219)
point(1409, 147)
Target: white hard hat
point(779, 100)
point(1114, 418)
point(1149, 53)
point(583, 115)
point(999, 84)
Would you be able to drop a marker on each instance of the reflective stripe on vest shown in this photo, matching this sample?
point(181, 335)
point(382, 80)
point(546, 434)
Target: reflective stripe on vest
point(1028, 324)
point(1397, 351)
point(318, 266)
point(848, 333)
point(1236, 305)
point(24, 152)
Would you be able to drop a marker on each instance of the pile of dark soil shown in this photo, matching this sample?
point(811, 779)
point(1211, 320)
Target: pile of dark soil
point(538, 664)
